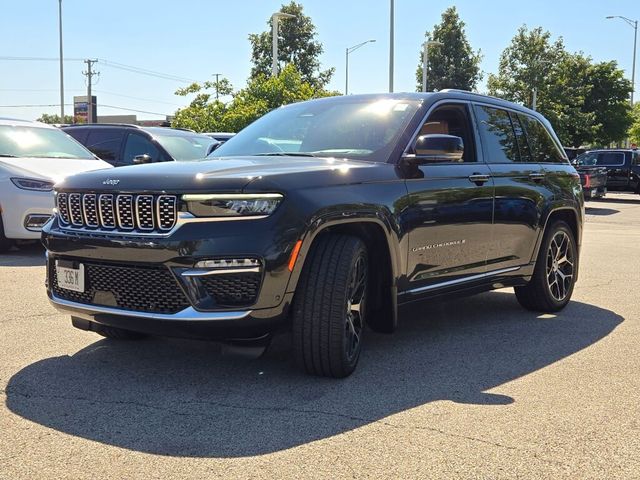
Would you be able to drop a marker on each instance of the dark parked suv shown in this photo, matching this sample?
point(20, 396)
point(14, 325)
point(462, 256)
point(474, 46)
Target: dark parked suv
point(121, 144)
point(323, 217)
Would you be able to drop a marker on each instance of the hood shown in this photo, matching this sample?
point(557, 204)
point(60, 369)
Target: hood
point(54, 169)
point(223, 174)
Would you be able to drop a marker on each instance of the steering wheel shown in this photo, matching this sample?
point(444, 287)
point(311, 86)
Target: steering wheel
point(271, 147)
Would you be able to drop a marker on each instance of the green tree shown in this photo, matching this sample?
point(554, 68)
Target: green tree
point(527, 65)
point(55, 118)
point(585, 102)
point(297, 44)
point(634, 131)
point(261, 95)
point(265, 93)
point(206, 111)
point(453, 64)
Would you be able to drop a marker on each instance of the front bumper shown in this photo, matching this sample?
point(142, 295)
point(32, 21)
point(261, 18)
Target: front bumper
point(19, 206)
point(178, 254)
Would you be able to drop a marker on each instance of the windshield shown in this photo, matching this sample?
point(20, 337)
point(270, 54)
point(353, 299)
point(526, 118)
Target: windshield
point(593, 159)
point(21, 141)
point(186, 147)
point(364, 129)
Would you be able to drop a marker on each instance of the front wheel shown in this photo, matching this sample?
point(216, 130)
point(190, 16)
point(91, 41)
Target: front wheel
point(554, 276)
point(329, 306)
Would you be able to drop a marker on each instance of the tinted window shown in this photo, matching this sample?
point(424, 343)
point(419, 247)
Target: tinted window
point(20, 141)
point(185, 146)
point(521, 137)
point(597, 159)
point(452, 120)
point(106, 143)
point(363, 128)
point(498, 137)
point(138, 145)
point(543, 148)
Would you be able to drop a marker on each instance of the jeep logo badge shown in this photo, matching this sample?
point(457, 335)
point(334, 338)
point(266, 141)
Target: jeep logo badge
point(111, 181)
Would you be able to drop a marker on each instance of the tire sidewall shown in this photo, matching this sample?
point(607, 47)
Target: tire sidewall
point(557, 227)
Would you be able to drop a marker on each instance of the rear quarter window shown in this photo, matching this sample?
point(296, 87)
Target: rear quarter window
point(543, 147)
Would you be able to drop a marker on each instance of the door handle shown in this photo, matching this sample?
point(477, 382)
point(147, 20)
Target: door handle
point(479, 178)
point(536, 177)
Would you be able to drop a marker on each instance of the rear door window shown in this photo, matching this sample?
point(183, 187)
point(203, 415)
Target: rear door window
point(498, 136)
point(543, 147)
point(106, 143)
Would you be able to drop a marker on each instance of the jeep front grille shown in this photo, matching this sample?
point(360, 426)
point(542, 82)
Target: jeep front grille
point(117, 213)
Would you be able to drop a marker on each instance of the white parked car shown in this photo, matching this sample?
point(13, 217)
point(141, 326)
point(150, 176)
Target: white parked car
point(34, 156)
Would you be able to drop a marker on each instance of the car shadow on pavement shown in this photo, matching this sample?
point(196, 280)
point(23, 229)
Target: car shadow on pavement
point(29, 255)
point(600, 211)
point(183, 398)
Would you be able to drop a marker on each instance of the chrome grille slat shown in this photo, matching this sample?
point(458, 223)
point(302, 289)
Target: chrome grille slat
point(62, 201)
point(107, 215)
point(112, 214)
point(89, 210)
point(166, 209)
point(75, 209)
point(144, 212)
point(124, 212)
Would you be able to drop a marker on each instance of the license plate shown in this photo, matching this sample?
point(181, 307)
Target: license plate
point(70, 278)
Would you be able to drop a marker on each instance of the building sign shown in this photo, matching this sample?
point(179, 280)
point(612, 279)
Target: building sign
point(81, 109)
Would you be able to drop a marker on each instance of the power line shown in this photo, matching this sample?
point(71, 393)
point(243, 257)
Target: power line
point(137, 98)
point(41, 59)
point(101, 105)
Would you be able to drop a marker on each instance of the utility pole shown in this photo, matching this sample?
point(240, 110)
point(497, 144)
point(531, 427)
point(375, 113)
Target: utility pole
point(425, 60)
point(275, 18)
point(90, 73)
point(391, 22)
point(217, 75)
point(61, 68)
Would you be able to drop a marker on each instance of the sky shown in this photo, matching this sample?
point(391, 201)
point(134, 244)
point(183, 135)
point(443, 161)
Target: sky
point(193, 39)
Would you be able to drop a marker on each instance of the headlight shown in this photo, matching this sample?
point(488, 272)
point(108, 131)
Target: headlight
point(33, 184)
point(232, 205)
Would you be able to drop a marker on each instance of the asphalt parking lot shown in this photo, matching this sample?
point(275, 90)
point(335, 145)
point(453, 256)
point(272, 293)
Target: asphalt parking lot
point(476, 388)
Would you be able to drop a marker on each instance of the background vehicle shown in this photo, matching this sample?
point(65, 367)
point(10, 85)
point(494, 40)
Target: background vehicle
point(622, 166)
point(220, 136)
point(33, 156)
point(130, 144)
point(378, 202)
point(594, 181)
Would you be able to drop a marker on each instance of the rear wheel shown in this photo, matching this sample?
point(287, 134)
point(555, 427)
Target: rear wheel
point(552, 283)
point(329, 306)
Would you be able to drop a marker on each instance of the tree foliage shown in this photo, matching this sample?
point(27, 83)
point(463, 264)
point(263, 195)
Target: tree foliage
point(634, 131)
point(586, 102)
point(261, 95)
point(454, 64)
point(55, 118)
point(297, 44)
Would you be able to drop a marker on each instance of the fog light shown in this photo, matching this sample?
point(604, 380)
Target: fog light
point(35, 222)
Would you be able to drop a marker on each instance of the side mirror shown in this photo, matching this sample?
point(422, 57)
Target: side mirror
point(213, 147)
point(438, 148)
point(140, 159)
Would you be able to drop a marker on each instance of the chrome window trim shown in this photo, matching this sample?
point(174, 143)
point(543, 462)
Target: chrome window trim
point(457, 281)
point(189, 314)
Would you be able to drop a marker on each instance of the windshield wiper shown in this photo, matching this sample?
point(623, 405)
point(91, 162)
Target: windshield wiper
point(7, 155)
point(284, 154)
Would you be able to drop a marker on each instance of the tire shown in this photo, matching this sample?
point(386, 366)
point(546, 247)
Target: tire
point(5, 243)
point(553, 279)
point(328, 315)
point(119, 333)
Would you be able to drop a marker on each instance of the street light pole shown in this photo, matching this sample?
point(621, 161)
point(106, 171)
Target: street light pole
point(391, 46)
point(275, 18)
point(347, 52)
point(61, 67)
point(633, 24)
point(425, 60)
